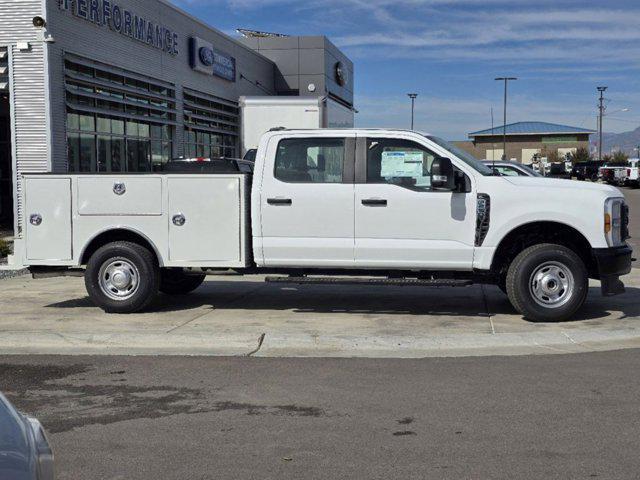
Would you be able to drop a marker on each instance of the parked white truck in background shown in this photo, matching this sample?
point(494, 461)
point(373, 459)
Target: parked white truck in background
point(260, 114)
point(330, 206)
point(633, 173)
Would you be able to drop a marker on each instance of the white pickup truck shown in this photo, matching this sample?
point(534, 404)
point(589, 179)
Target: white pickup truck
point(633, 173)
point(356, 206)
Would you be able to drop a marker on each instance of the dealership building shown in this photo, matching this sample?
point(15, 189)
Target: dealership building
point(526, 141)
point(126, 85)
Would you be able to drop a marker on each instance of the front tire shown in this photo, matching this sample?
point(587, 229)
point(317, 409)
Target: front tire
point(122, 277)
point(547, 283)
point(176, 282)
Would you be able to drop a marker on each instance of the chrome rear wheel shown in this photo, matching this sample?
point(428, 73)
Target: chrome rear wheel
point(119, 279)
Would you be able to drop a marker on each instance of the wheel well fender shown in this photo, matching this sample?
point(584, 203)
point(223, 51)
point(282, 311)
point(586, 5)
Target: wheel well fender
point(117, 234)
point(532, 233)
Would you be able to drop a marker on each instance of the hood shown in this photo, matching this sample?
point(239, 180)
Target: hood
point(542, 183)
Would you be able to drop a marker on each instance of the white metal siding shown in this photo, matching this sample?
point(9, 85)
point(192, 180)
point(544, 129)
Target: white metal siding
point(29, 112)
point(27, 85)
point(16, 20)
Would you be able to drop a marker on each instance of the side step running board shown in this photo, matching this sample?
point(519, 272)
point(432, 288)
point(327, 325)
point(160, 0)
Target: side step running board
point(53, 272)
point(401, 282)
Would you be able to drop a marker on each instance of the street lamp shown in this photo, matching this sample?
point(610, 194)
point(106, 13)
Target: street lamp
point(413, 97)
point(506, 80)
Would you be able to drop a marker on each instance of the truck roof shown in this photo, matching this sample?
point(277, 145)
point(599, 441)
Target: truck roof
point(343, 130)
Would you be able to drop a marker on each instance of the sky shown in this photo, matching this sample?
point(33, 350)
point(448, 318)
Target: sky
point(450, 51)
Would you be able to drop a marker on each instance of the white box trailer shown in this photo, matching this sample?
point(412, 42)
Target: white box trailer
point(261, 114)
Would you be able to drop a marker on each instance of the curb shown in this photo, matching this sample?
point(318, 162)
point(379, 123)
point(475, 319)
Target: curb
point(7, 271)
point(266, 345)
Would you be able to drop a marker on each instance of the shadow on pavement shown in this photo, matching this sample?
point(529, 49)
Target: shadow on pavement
point(378, 300)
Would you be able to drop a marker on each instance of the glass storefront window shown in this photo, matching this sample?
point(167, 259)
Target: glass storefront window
point(87, 153)
point(117, 126)
point(127, 129)
point(87, 123)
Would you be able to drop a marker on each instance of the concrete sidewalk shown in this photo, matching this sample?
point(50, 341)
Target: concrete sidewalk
point(244, 316)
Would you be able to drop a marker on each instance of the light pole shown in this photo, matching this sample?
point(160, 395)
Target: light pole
point(601, 109)
point(506, 81)
point(413, 97)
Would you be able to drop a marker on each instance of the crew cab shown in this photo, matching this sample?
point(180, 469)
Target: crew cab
point(359, 206)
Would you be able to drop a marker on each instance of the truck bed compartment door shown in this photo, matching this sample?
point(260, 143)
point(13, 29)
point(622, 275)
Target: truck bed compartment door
point(48, 218)
point(205, 220)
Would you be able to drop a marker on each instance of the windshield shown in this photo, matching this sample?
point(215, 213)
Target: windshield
point(467, 158)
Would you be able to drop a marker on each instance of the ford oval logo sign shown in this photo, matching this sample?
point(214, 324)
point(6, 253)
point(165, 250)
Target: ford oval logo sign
point(206, 56)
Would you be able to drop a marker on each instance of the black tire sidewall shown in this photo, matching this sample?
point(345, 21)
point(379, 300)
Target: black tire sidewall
point(147, 267)
point(520, 273)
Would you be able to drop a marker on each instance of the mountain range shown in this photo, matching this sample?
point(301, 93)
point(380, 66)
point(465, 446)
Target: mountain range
point(628, 142)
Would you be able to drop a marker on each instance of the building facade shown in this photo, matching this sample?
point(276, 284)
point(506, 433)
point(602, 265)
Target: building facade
point(126, 85)
point(526, 140)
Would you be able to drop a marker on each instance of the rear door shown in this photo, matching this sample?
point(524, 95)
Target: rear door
point(400, 221)
point(306, 201)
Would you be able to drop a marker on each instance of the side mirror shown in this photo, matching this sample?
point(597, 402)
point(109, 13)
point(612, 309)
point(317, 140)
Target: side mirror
point(442, 174)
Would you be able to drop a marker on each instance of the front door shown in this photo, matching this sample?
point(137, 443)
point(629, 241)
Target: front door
point(400, 221)
point(306, 202)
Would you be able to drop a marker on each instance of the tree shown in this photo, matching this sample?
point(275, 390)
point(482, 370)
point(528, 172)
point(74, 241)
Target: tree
point(553, 157)
point(580, 155)
point(620, 158)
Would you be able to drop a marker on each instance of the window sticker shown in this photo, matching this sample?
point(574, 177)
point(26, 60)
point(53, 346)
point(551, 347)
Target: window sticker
point(401, 164)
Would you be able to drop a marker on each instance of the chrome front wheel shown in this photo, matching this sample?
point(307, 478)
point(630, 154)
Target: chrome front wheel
point(547, 282)
point(552, 284)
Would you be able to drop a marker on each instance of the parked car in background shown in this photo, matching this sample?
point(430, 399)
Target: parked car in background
point(613, 174)
point(633, 173)
point(558, 170)
point(25, 453)
point(511, 169)
point(587, 170)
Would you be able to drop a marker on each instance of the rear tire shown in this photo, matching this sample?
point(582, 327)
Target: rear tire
point(122, 277)
point(176, 282)
point(547, 283)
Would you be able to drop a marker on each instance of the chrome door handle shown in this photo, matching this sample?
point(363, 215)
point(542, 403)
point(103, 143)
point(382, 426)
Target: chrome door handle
point(35, 219)
point(179, 220)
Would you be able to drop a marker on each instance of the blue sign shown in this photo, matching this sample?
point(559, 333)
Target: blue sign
point(206, 56)
point(206, 59)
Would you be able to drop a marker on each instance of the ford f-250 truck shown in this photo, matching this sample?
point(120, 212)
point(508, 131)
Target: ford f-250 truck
point(356, 206)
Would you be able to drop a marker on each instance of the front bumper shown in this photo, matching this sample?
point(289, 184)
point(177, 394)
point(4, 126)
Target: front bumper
point(611, 264)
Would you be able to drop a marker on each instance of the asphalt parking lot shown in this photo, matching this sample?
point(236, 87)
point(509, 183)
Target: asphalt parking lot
point(530, 417)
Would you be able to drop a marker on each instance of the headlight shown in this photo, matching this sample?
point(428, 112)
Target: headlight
point(614, 222)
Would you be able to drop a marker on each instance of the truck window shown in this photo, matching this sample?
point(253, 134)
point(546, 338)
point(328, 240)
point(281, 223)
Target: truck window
point(399, 162)
point(310, 160)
